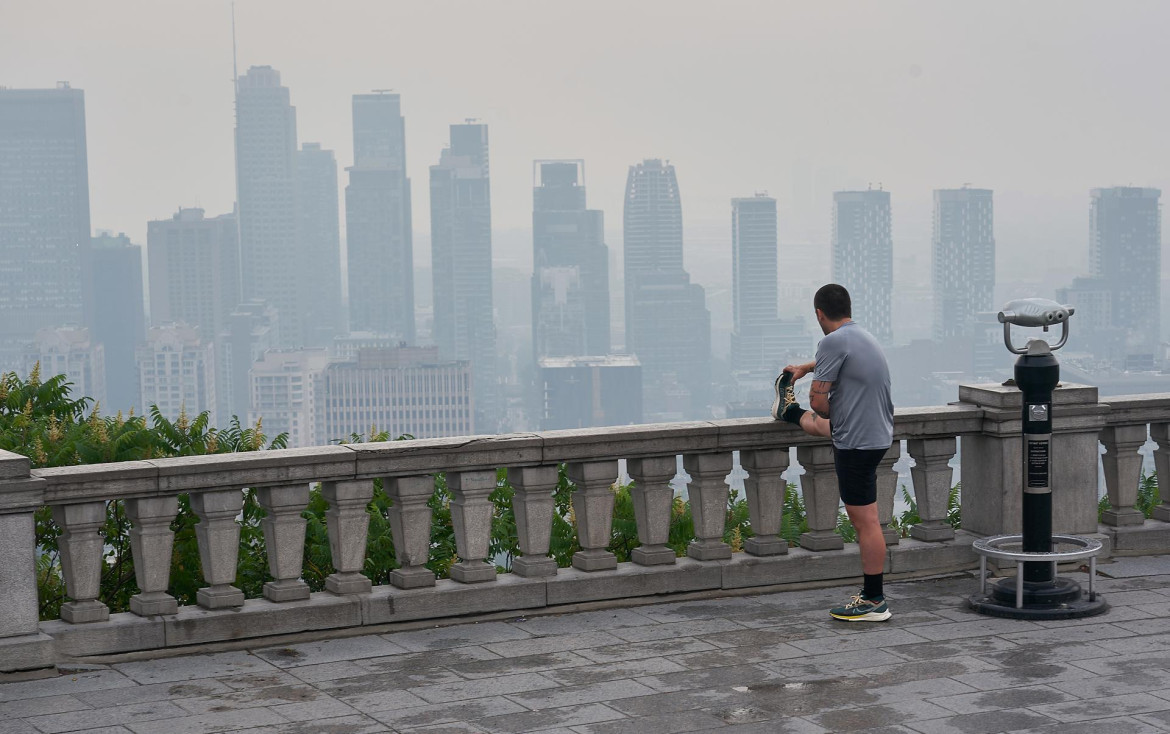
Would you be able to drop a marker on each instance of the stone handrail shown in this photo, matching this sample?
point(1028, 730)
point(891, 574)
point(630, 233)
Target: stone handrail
point(281, 480)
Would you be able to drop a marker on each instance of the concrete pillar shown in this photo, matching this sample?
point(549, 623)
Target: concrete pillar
point(887, 489)
point(765, 490)
point(1160, 432)
point(593, 510)
point(82, 549)
point(933, 480)
point(822, 498)
point(218, 535)
point(708, 494)
point(152, 543)
point(533, 506)
point(410, 524)
point(348, 524)
point(993, 460)
point(653, 500)
point(22, 644)
point(471, 518)
point(1123, 473)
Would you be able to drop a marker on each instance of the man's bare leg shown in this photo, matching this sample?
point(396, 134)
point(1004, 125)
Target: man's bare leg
point(869, 537)
point(814, 425)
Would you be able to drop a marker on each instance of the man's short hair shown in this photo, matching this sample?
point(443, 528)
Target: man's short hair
point(833, 301)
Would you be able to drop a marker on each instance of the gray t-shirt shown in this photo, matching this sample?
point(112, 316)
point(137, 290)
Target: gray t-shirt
point(861, 410)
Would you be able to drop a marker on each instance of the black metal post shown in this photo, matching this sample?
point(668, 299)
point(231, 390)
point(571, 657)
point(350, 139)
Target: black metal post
point(1037, 375)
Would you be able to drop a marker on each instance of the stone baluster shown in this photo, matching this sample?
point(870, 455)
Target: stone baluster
point(887, 490)
point(593, 510)
point(82, 548)
point(765, 490)
point(1123, 471)
point(1160, 432)
point(410, 525)
point(822, 499)
point(152, 542)
point(933, 479)
point(708, 493)
point(471, 518)
point(284, 539)
point(653, 500)
point(218, 535)
point(22, 644)
point(348, 523)
point(533, 506)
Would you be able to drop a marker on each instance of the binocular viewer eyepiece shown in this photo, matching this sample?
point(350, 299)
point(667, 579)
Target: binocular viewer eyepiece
point(1034, 312)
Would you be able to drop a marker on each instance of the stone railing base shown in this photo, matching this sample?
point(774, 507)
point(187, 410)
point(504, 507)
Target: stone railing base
point(27, 652)
point(1151, 537)
point(259, 618)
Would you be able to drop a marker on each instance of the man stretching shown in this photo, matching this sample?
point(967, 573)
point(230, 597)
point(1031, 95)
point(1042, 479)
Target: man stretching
point(851, 383)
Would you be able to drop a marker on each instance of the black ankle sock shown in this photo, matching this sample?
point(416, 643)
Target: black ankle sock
point(793, 414)
point(873, 586)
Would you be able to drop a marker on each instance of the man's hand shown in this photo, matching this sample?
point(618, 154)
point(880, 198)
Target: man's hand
point(800, 370)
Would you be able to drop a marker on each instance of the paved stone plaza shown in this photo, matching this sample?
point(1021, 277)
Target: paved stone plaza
point(763, 663)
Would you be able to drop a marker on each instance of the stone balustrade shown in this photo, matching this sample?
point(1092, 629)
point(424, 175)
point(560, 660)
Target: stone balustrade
point(281, 480)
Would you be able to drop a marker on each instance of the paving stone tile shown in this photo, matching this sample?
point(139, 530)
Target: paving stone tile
point(800, 697)
point(406, 718)
point(112, 716)
point(1022, 675)
point(378, 692)
point(749, 654)
point(553, 643)
point(984, 723)
point(980, 627)
point(328, 671)
point(1073, 633)
point(915, 689)
point(1045, 652)
point(249, 681)
point(779, 725)
point(868, 717)
point(1128, 566)
point(1102, 708)
point(1116, 685)
point(766, 636)
point(1137, 644)
point(1008, 698)
point(154, 692)
point(427, 660)
point(42, 706)
point(337, 725)
point(210, 723)
point(541, 720)
point(1159, 626)
point(1159, 719)
point(330, 651)
point(952, 648)
point(498, 686)
point(98, 680)
point(1119, 725)
point(682, 721)
point(688, 628)
point(665, 703)
point(213, 665)
point(831, 665)
point(927, 669)
point(581, 675)
point(459, 635)
point(684, 611)
point(880, 637)
point(1132, 663)
point(606, 691)
point(542, 663)
point(324, 707)
point(18, 726)
point(253, 698)
point(743, 676)
point(651, 649)
point(563, 624)
point(454, 727)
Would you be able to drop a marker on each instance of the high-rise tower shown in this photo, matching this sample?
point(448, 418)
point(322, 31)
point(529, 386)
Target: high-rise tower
point(963, 260)
point(119, 321)
point(319, 230)
point(668, 326)
point(863, 257)
point(378, 224)
point(461, 263)
point(570, 275)
point(44, 215)
point(1125, 251)
point(273, 265)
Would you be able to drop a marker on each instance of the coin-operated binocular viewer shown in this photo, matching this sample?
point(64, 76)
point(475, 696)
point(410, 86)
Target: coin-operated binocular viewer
point(1036, 592)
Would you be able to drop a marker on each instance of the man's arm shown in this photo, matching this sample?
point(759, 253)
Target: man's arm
point(818, 398)
point(800, 370)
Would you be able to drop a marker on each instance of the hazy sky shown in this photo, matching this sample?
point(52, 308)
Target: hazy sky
point(1039, 100)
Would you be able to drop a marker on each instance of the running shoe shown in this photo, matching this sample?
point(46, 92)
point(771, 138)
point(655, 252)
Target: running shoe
point(860, 609)
point(785, 395)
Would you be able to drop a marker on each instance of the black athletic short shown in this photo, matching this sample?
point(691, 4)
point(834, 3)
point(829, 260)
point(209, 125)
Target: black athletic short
point(857, 474)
